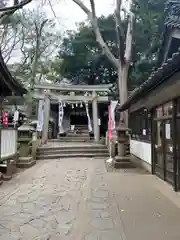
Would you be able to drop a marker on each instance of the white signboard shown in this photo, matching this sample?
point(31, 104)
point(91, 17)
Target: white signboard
point(144, 132)
point(61, 115)
point(40, 116)
point(168, 131)
point(16, 116)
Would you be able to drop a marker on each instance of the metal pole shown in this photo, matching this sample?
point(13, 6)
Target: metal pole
point(175, 148)
point(1, 109)
point(0, 143)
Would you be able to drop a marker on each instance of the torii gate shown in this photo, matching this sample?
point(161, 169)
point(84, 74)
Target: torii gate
point(56, 93)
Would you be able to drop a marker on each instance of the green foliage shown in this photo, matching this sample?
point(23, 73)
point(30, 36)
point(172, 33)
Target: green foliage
point(50, 69)
point(83, 60)
point(147, 38)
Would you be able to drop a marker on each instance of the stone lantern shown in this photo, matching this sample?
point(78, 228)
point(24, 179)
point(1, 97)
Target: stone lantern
point(25, 137)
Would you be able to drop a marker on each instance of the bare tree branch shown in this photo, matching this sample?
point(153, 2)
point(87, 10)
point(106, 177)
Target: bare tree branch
point(82, 6)
point(15, 7)
point(8, 42)
point(8, 54)
point(119, 31)
point(129, 38)
point(50, 4)
point(42, 25)
point(93, 8)
point(118, 11)
point(37, 48)
point(5, 28)
point(7, 11)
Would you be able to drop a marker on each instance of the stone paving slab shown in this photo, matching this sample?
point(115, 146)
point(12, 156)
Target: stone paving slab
point(77, 199)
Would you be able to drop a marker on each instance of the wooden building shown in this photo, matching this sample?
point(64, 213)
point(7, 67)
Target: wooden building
point(154, 108)
point(8, 87)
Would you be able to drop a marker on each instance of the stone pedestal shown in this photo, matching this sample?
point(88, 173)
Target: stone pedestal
point(122, 160)
point(26, 162)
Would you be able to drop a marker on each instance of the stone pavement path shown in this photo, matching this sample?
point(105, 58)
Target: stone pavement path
point(76, 199)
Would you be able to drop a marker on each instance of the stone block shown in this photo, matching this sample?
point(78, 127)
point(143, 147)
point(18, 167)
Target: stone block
point(7, 168)
point(123, 162)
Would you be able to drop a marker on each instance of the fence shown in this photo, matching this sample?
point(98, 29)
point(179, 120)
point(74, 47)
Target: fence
point(8, 142)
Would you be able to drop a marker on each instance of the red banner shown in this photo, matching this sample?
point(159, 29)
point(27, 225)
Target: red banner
point(5, 119)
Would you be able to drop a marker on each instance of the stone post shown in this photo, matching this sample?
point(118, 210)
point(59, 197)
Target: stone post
point(122, 160)
point(95, 117)
point(34, 145)
point(46, 119)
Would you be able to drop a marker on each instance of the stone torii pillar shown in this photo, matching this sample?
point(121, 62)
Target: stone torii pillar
point(46, 119)
point(95, 116)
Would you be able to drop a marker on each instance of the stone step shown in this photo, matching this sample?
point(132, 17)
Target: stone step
point(78, 130)
point(72, 155)
point(81, 127)
point(78, 140)
point(73, 147)
point(77, 135)
point(75, 138)
point(71, 137)
point(66, 151)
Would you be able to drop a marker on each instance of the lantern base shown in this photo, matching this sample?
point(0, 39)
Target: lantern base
point(25, 162)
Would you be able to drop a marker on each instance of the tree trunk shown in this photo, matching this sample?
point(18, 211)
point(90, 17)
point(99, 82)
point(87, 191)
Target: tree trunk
point(123, 70)
point(123, 90)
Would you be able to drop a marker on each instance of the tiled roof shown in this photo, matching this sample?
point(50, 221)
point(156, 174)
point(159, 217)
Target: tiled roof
point(158, 77)
point(172, 22)
point(172, 12)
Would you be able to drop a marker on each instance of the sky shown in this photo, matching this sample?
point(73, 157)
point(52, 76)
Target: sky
point(68, 13)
